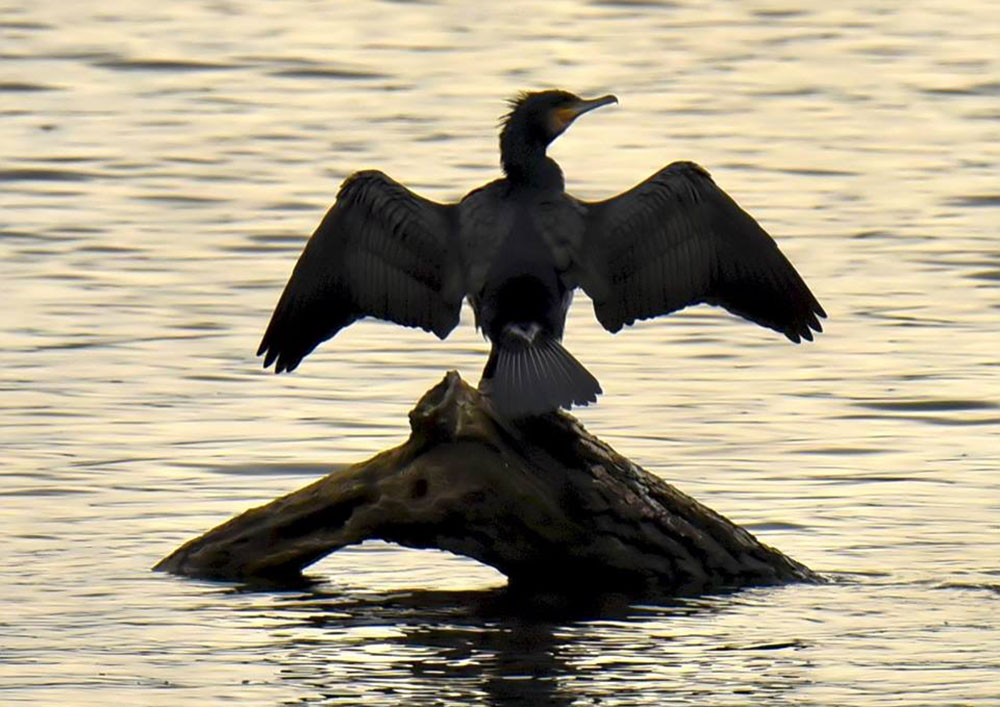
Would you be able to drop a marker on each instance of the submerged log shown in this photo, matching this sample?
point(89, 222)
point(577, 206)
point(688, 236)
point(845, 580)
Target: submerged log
point(541, 500)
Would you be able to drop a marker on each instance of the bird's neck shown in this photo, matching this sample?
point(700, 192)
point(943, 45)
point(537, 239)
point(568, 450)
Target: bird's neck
point(525, 163)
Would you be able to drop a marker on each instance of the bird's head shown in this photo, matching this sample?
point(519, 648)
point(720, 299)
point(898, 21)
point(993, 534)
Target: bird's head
point(535, 120)
point(542, 116)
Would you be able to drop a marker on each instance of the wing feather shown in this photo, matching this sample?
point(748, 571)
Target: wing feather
point(381, 251)
point(677, 240)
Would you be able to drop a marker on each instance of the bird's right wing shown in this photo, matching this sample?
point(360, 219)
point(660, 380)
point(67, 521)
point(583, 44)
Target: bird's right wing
point(381, 251)
point(676, 240)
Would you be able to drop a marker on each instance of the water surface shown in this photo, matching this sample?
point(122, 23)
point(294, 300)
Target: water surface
point(163, 164)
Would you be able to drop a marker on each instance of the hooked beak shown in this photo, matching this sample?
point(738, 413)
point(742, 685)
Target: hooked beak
point(588, 105)
point(565, 116)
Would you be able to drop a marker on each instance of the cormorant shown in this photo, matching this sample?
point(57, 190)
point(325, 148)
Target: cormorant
point(518, 247)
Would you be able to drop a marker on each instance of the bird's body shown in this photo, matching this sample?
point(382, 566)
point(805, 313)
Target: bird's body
point(518, 247)
point(523, 295)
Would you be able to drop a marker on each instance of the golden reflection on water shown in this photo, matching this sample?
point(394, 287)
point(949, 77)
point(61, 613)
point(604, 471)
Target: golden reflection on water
point(163, 165)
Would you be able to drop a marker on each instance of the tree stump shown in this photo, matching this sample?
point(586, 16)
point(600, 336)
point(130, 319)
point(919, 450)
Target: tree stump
point(541, 500)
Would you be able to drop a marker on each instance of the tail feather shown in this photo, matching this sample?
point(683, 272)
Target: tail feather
point(530, 373)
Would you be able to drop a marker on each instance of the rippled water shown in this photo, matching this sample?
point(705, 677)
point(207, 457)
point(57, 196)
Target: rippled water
point(162, 164)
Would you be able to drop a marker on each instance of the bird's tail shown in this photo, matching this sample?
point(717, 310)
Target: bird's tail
point(530, 373)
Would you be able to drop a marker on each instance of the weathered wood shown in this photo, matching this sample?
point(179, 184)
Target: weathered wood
point(543, 501)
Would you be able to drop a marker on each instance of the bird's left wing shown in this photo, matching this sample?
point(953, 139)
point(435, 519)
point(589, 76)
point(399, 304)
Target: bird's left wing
point(676, 240)
point(381, 251)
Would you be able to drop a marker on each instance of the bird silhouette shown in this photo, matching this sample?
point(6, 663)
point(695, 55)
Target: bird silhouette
point(518, 247)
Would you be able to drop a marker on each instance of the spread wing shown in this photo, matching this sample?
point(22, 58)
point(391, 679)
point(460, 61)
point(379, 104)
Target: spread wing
point(676, 240)
point(380, 251)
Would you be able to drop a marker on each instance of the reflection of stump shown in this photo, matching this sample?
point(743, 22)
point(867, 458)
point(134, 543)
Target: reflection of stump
point(540, 500)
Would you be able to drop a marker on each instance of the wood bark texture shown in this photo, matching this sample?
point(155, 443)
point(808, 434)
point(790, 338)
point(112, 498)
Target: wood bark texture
point(541, 500)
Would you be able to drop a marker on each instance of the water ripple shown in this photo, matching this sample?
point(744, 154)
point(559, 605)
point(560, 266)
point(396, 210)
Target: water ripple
point(165, 164)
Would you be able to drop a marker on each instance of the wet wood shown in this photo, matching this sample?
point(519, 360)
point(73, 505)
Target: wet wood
point(542, 501)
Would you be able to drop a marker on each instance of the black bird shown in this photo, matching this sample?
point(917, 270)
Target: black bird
point(518, 247)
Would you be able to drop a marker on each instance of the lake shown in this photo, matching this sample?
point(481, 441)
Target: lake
point(163, 164)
